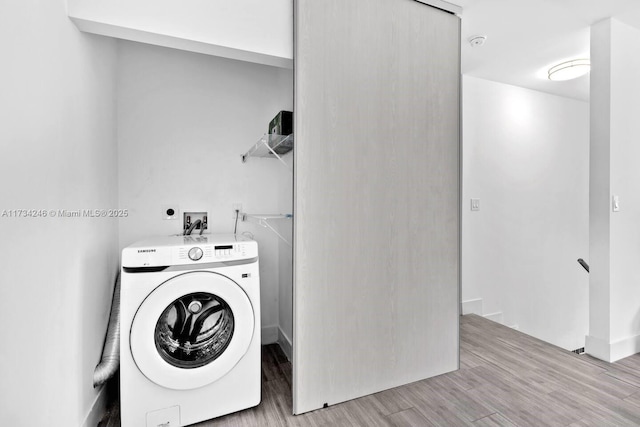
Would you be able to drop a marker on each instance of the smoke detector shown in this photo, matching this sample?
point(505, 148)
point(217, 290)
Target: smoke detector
point(476, 41)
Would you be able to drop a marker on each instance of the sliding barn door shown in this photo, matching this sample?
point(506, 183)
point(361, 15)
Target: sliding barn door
point(376, 197)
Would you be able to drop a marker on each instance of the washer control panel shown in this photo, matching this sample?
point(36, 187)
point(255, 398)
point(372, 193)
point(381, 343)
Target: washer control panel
point(213, 253)
point(185, 250)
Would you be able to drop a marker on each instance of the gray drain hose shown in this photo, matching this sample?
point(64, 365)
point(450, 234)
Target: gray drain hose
point(110, 360)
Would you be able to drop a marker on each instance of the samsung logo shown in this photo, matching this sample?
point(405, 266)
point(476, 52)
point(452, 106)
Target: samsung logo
point(145, 250)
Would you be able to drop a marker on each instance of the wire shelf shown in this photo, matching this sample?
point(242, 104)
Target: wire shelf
point(263, 220)
point(271, 146)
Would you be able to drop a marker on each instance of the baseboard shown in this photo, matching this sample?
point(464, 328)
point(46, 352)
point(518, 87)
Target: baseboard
point(597, 348)
point(472, 306)
point(285, 344)
point(611, 352)
point(98, 409)
point(496, 317)
point(625, 348)
point(269, 334)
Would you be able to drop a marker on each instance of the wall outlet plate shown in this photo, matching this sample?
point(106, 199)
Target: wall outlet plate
point(189, 218)
point(171, 211)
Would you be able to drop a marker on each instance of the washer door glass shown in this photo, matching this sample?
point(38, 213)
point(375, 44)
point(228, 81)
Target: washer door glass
point(194, 330)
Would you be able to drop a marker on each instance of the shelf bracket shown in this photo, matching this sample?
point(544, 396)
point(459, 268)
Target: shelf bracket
point(278, 157)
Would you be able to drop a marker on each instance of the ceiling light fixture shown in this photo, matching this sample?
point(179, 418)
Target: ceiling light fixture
point(570, 70)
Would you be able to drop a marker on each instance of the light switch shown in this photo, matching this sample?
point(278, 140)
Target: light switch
point(475, 204)
point(615, 203)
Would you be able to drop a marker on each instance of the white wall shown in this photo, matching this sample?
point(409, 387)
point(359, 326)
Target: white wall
point(58, 147)
point(251, 30)
point(614, 324)
point(526, 157)
point(184, 120)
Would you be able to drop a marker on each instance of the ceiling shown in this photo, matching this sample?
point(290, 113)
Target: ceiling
point(526, 37)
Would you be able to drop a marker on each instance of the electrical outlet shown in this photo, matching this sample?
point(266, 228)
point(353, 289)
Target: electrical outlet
point(189, 218)
point(170, 211)
point(236, 207)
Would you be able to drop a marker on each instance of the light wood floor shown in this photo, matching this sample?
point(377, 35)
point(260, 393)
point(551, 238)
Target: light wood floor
point(506, 378)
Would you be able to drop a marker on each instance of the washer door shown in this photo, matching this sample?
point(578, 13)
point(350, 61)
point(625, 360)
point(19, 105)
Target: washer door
point(191, 330)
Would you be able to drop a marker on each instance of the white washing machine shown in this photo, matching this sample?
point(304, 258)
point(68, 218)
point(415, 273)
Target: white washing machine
point(190, 329)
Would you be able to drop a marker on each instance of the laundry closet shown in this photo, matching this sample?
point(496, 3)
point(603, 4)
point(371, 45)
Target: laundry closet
point(185, 120)
point(358, 226)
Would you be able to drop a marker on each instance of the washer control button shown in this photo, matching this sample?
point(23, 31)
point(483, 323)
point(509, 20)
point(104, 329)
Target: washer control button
point(195, 254)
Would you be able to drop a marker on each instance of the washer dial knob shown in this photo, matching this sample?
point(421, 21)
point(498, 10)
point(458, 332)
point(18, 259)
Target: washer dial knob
point(195, 254)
